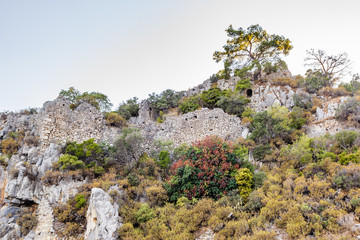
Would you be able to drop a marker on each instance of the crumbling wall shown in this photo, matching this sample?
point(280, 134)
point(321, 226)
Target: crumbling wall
point(193, 126)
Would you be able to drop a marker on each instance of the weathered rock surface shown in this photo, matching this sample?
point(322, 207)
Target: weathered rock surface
point(193, 126)
point(265, 96)
point(102, 216)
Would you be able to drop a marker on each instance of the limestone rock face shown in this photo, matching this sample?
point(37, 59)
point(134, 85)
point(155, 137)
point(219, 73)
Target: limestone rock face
point(264, 96)
point(102, 216)
point(328, 108)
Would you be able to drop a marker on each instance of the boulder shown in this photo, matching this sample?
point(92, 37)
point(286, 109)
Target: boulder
point(102, 216)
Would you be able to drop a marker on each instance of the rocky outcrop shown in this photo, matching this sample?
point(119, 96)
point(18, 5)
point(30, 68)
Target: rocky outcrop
point(267, 95)
point(102, 216)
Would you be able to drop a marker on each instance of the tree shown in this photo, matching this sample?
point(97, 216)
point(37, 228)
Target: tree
point(130, 108)
point(96, 99)
point(252, 48)
point(333, 67)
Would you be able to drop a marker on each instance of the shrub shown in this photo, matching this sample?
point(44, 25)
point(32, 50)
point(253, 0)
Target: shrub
point(346, 139)
point(258, 179)
point(10, 146)
point(27, 220)
point(348, 109)
point(145, 213)
point(206, 169)
point(128, 147)
point(114, 119)
point(286, 82)
point(80, 201)
point(164, 101)
point(244, 179)
point(69, 162)
point(334, 92)
point(157, 195)
point(274, 128)
point(353, 86)
point(3, 161)
point(348, 178)
point(243, 84)
point(189, 104)
point(87, 151)
point(72, 216)
point(133, 179)
point(214, 78)
point(315, 80)
point(210, 97)
point(232, 199)
point(164, 159)
point(234, 104)
point(129, 109)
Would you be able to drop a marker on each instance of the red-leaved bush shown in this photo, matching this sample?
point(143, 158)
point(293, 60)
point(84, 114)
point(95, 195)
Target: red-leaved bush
point(206, 169)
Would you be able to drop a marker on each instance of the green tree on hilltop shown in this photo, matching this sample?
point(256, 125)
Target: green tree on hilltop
point(251, 48)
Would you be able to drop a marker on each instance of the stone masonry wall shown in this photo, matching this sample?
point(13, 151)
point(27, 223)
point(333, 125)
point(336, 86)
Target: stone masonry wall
point(193, 126)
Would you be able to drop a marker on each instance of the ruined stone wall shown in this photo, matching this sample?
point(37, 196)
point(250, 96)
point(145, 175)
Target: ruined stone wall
point(193, 126)
point(59, 122)
point(56, 122)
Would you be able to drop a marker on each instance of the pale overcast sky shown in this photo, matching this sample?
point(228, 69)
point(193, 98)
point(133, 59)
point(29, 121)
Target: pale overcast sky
point(128, 48)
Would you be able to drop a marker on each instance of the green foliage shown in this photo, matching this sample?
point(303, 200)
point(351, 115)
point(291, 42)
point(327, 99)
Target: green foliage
point(189, 104)
point(315, 80)
point(164, 159)
point(258, 179)
point(96, 99)
point(145, 213)
point(80, 201)
point(129, 108)
point(205, 170)
point(270, 67)
point(274, 128)
point(346, 139)
point(234, 104)
point(164, 101)
point(353, 86)
point(244, 179)
point(346, 158)
point(69, 162)
point(214, 78)
point(133, 179)
point(87, 151)
point(243, 84)
point(210, 97)
point(252, 46)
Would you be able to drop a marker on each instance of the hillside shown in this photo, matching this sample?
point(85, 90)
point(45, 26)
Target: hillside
point(302, 180)
point(251, 153)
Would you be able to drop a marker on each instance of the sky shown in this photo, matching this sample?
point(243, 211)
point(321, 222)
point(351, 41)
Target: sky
point(132, 48)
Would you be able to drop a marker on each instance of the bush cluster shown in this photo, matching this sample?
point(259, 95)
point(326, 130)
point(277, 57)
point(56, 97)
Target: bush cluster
point(129, 108)
point(207, 169)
